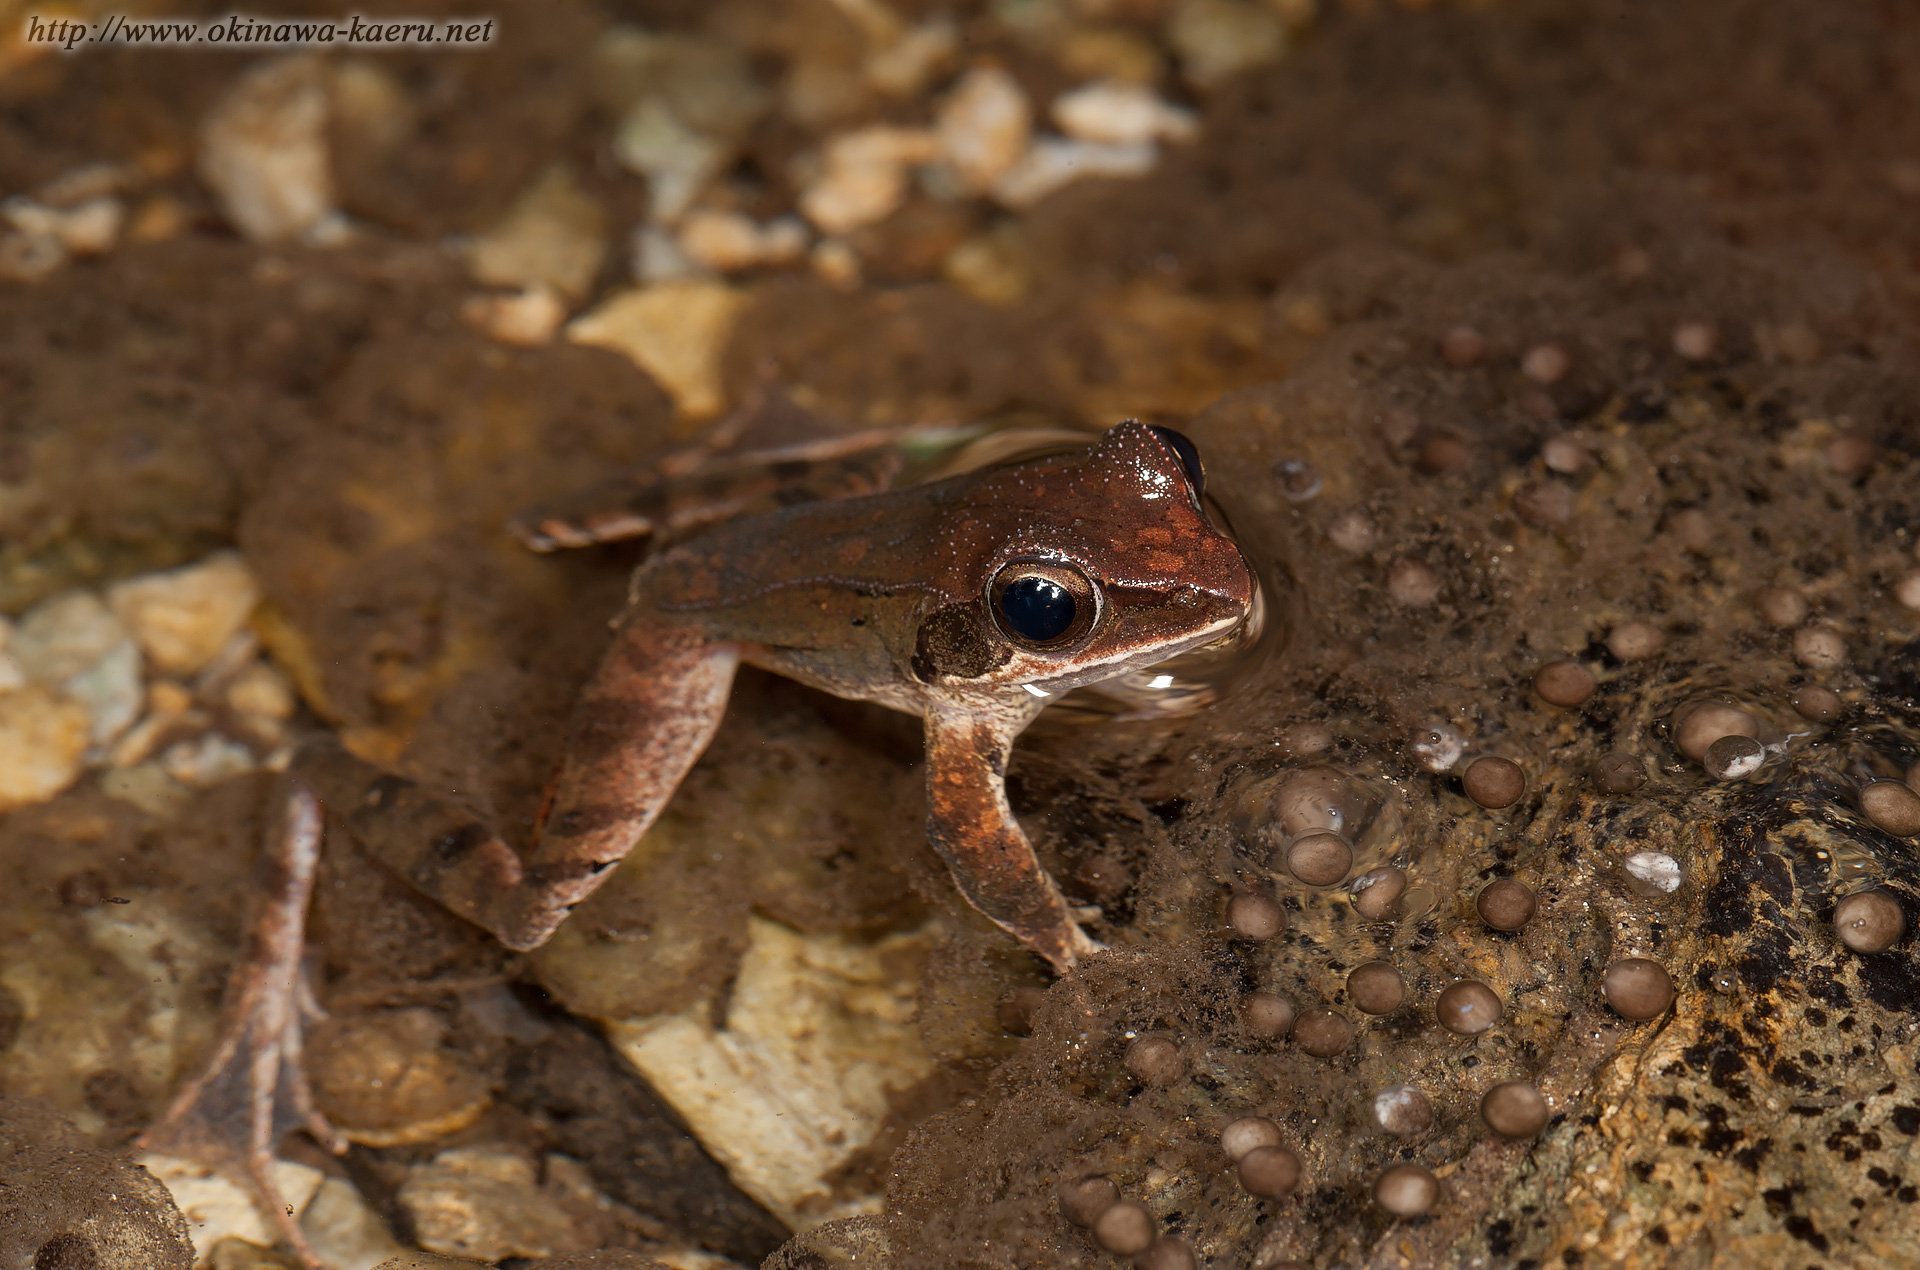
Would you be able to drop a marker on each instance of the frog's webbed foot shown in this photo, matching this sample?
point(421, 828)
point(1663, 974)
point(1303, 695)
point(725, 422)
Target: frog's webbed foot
point(972, 827)
point(251, 1089)
point(640, 723)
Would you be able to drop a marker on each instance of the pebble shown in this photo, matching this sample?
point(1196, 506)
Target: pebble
point(1412, 583)
point(1907, 590)
point(218, 1209)
point(1514, 1109)
point(184, 617)
point(1566, 454)
point(29, 257)
point(1441, 453)
point(1083, 1200)
point(1468, 1008)
point(1216, 39)
point(1125, 1229)
point(554, 235)
point(1701, 726)
point(1320, 859)
point(864, 177)
point(1851, 455)
point(1254, 916)
point(1816, 704)
point(1506, 904)
point(1246, 1133)
point(1543, 504)
point(1156, 1061)
point(1377, 891)
point(1869, 921)
point(64, 636)
point(1266, 1015)
point(1781, 607)
point(1494, 783)
point(1546, 363)
point(1695, 341)
point(1375, 987)
point(43, 738)
point(1620, 772)
point(1893, 808)
point(1352, 531)
point(1462, 346)
point(731, 241)
point(263, 150)
point(1636, 988)
point(1322, 1033)
point(1652, 873)
point(983, 125)
point(1121, 113)
point(1819, 648)
point(1733, 758)
point(91, 229)
point(1438, 748)
point(677, 159)
point(1634, 641)
point(492, 1204)
point(1051, 164)
point(1564, 683)
point(344, 1230)
point(1694, 529)
point(529, 319)
point(677, 332)
point(1271, 1172)
point(1406, 1190)
point(1402, 1110)
point(207, 760)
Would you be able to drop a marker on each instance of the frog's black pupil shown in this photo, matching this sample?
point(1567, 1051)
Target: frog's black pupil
point(1188, 454)
point(1037, 609)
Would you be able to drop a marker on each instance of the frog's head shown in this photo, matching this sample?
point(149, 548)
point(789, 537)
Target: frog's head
point(1085, 566)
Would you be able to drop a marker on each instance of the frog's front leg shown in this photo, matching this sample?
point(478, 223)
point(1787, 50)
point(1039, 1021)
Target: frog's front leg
point(647, 714)
point(971, 825)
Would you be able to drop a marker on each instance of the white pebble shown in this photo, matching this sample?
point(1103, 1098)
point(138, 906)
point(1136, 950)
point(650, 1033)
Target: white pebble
point(207, 760)
point(1352, 531)
point(263, 149)
point(1053, 163)
point(1412, 583)
point(729, 241)
point(64, 636)
point(1121, 113)
point(528, 319)
point(183, 617)
point(864, 178)
point(677, 159)
point(87, 230)
point(110, 691)
point(1438, 748)
point(1653, 873)
point(1566, 454)
point(983, 126)
point(1907, 590)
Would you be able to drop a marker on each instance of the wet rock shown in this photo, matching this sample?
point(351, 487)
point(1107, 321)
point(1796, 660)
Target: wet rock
point(43, 737)
point(344, 1230)
point(263, 150)
point(66, 1203)
point(490, 1205)
point(818, 1034)
point(217, 1208)
point(554, 236)
point(184, 617)
point(675, 331)
point(389, 1079)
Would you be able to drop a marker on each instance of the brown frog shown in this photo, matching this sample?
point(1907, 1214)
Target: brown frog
point(971, 601)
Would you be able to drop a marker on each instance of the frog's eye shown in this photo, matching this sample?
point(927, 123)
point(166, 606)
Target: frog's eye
point(1188, 454)
point(1040, 604)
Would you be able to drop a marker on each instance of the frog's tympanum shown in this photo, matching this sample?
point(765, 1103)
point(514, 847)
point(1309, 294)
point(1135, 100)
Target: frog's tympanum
point(970, 601)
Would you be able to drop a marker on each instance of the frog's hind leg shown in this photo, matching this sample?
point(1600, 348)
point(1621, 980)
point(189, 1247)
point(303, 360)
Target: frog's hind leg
point(251, 1089)
point(972, 827)
point(639, 724)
